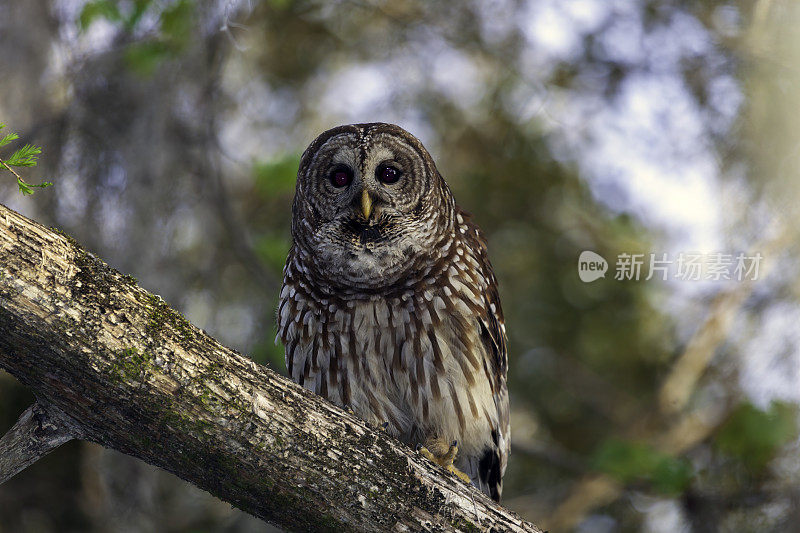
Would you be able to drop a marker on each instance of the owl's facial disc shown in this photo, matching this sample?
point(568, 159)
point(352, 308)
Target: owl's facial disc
point(369, 202)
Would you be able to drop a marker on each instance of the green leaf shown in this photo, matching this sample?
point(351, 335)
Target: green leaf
point(753, 435)
point(98, 9)
point(27, 156)
point(27, 188)
point(636, 461)
point(24, 188)
point(8, 138)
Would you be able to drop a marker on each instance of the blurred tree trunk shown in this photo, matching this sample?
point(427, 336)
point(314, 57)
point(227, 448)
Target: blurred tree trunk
point(113, 364)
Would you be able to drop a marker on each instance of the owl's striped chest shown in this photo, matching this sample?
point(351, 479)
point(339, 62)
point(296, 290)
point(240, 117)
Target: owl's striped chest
point(414, 358)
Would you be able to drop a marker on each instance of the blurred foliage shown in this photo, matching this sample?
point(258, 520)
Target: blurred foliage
point(166, 41)
point(276, 177)
point(514, 99)
point(272, 250)
point(631, 462)
point(109, 10)
point(273, 182)
point(754, 436)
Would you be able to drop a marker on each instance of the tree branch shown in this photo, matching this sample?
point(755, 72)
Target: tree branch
point(36, 433)
point(135, 376)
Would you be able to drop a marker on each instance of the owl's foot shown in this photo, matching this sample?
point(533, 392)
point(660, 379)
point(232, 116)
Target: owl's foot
point(438, 451)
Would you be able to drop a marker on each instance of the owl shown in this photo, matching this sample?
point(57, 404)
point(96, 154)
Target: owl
point(389, 305)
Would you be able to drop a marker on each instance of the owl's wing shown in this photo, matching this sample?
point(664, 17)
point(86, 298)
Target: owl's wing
point(492, 465)
point(493, 330)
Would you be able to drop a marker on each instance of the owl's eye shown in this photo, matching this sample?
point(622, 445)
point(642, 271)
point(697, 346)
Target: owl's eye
point(341, 176)
point(388, 174)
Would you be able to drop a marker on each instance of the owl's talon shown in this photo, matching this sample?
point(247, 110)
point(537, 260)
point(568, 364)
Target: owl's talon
point(445, 457)
point(459, 474)
point(426, 453)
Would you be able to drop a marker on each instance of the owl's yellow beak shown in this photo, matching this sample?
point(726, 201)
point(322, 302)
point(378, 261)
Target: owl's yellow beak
point(366, 204)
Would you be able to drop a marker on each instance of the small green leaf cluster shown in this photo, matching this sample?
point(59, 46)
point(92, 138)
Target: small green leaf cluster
point(27, 156)
point(172, 36)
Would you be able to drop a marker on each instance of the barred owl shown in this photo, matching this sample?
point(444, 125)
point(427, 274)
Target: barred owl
point(389, 305)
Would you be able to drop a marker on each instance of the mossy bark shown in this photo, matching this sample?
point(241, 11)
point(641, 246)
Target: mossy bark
point(126, 371)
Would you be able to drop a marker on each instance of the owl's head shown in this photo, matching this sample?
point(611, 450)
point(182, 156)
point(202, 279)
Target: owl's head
point(369, 206)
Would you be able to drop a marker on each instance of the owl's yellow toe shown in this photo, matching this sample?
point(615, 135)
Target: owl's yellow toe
point(443, 455)
point(461, 475)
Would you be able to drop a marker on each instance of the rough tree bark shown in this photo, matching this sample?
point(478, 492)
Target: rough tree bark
point(113, 364)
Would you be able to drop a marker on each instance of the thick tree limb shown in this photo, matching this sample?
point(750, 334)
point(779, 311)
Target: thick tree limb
point(135, 376)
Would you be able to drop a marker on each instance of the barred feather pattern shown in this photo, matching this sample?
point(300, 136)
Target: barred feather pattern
point(425, 351)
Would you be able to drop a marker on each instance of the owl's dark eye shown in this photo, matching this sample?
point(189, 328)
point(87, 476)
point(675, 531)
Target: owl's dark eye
point(341, 176)
point(388, 174)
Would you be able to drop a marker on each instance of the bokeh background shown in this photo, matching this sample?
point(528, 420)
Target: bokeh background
point(172, 132)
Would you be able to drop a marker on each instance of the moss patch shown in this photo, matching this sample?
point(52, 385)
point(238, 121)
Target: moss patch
point(130, 364)
point(465, 525)
point(161, 314)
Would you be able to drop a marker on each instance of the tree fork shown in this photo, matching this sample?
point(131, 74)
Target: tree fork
point(37, 432)
point(113, 364)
